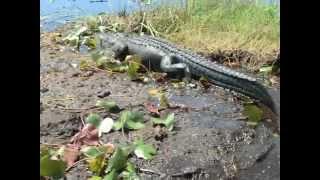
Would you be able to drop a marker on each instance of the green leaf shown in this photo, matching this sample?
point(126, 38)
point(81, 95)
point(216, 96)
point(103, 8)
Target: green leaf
point(266, 69)
point(95, 178)
point(107, 105)
point(102, 62)
point(95, 55)
point(164, 103)
point(113, 175)
point(203, 78)
point(97, 164)
point(134, 125)
point(99, 58)
point(130, 167)
point(129, 120)
point(84, 65)
point(92, 151)
point(157, 120)
point(128, 149)
point(118, 125)
point(44, 151)
point(129, 175)
point(118, 161)
point(94, 119)
point(253, 113)
point(116, 67)
point(179, 85)
point(145, 151)
point(90, 42)
point(168, 121)
point(74, 37)
point(130, 172)
point(204, 81)
point(52, 168)
point(134, 65)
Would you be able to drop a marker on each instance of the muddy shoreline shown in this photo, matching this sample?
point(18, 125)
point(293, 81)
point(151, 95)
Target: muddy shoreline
point(210, 140)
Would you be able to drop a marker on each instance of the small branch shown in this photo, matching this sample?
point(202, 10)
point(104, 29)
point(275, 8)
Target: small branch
point(47, 144)
point(150, 171)
point(101, 70)
point(76, 163)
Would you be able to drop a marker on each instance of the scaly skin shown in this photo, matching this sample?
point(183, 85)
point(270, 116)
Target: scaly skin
point(161, 55)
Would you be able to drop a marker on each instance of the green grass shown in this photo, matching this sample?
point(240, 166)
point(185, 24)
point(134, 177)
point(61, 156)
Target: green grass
point(209, 25)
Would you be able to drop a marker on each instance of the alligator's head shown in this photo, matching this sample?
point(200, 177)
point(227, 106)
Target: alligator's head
point(107, 40)
point(115, 42)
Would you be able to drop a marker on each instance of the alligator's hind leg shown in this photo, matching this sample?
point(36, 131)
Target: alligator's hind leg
point(168, 66)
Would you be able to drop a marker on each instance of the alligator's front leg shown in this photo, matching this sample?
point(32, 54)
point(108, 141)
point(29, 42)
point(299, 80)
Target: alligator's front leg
point(120, 50)
point(167, 65)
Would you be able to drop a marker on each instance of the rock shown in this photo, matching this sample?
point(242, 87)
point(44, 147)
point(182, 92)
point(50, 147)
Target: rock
point(44, 90)
point(103, 94)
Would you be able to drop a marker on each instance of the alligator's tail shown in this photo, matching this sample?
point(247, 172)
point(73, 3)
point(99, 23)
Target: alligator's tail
point(251, 88)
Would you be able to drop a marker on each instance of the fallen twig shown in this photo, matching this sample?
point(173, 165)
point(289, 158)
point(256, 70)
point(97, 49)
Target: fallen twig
point(101, 70)
point(47, 144)
point(150, 171)
point(76, 163)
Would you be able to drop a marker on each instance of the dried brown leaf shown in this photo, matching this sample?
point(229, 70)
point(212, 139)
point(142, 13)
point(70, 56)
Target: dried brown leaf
point(152, 108)
point(71, 154)
point(89, 135)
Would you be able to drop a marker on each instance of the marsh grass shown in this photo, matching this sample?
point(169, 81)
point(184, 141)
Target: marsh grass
point(208, 26)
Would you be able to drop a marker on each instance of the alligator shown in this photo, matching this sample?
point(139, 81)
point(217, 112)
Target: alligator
point(161, 55)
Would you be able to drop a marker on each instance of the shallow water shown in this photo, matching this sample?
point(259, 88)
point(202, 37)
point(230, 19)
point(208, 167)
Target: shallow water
point(53, 14)
point(58, 12)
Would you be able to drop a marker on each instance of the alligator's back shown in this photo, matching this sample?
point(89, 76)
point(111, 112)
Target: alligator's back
point(217, 74)
point(199, 65)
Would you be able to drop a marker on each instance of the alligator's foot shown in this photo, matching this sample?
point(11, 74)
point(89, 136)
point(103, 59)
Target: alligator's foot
point(168, 66)
point(186, 80)
point(187, 74)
